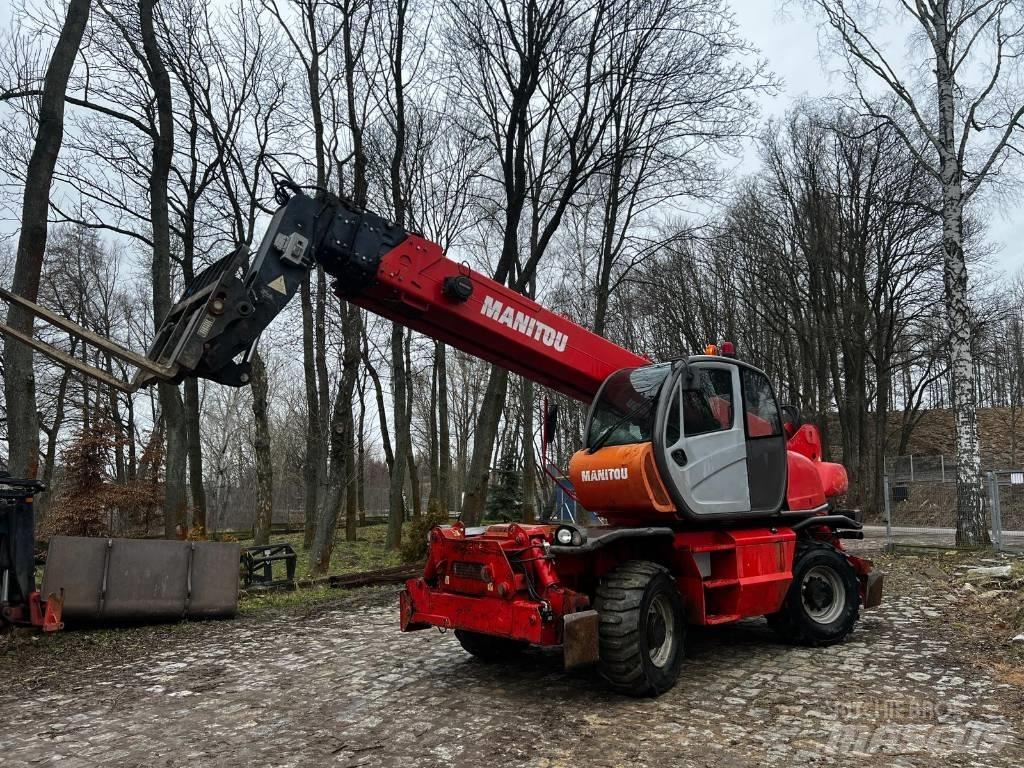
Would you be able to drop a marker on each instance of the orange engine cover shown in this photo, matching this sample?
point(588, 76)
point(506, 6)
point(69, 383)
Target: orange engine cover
point(620, 482)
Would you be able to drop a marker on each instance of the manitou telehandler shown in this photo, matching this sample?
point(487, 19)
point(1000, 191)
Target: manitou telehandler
point(715, 504)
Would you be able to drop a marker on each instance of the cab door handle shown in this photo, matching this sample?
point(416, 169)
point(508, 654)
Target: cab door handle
point(679, 457)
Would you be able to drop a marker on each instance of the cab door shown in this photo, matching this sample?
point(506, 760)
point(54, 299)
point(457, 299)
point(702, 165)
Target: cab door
point(704, 453)
point(767, 466)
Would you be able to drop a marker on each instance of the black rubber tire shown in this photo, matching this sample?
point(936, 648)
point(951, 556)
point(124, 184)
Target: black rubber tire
point(489, 648)
point(624, 599)
point(793, 622)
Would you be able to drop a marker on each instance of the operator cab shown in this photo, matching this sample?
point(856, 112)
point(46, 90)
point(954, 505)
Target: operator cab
point(700, 439)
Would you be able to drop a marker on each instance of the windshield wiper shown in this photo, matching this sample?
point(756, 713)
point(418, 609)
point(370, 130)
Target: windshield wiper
point(603, 437)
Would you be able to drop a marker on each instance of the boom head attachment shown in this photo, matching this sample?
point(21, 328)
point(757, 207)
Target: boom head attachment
point(214, 301)
point(211, 332)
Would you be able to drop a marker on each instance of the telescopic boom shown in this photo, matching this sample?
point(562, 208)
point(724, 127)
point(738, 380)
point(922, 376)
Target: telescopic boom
point(212, 330)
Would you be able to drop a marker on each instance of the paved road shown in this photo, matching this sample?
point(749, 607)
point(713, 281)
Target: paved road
point(875, 536)
point(345, 688)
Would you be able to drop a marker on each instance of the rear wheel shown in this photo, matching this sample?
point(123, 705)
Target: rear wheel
point(489, 647)
point(823, 602)
point(642, 629)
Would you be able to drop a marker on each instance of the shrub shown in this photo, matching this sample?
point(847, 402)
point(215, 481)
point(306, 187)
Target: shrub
point(414, 538)
point(87, 497)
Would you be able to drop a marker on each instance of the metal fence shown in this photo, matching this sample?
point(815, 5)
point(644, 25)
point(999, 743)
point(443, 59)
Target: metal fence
point(1005, 492)
point(233, 507)
point(920, 469)
point(920, 510)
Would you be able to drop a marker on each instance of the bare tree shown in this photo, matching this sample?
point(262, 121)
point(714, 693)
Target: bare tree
point(680, 94)
point(171, 406)
point(394, 44)
point(19, 379)
point(538, 113)
point(968, 114)
point(312, 27)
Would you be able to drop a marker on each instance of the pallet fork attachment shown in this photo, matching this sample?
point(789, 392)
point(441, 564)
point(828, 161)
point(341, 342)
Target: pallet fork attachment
point(147, 367)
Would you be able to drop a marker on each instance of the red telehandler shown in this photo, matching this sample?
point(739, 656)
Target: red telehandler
point(714, 502)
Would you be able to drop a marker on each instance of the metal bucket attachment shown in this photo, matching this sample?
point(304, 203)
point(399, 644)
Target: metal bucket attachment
point(142, 579)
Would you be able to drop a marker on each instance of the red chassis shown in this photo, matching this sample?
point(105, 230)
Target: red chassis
point(512, 581)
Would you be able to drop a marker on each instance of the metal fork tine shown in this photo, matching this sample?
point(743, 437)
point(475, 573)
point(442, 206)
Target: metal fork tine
point(67, 360)
point(113, 348)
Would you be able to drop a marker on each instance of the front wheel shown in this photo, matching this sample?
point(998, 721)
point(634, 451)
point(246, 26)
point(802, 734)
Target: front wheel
point(642, 629)
point(823, 601)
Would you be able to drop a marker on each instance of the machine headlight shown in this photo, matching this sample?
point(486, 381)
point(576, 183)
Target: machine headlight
point(569, 535)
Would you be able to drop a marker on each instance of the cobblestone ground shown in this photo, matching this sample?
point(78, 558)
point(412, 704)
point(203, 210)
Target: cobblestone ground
point(346, 688)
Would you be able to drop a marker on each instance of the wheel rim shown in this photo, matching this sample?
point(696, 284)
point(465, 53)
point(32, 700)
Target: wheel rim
point(822, 594)
point(661, 630)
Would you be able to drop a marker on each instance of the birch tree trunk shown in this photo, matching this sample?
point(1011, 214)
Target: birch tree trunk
point(971, 529)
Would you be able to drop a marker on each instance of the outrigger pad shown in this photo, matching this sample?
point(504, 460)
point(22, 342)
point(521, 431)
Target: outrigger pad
point(580, 644)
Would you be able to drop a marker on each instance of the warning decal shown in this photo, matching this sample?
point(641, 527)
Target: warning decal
point(278, 285)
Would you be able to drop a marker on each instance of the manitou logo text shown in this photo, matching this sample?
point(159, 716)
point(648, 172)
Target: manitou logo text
point(524, 323)
point(597, 475)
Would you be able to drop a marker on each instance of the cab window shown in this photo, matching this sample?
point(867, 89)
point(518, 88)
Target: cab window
point(672, 425)
point(761, 410)
point(624, 412)
point(708, 406)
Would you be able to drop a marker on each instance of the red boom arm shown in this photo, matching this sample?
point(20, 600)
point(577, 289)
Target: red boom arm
point(494, 322)
point(382, 267)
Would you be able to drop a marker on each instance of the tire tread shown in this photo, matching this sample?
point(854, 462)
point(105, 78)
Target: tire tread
point(619, 597)
point(787, 624)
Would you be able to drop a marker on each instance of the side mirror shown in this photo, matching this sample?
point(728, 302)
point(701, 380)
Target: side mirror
point(791, 418)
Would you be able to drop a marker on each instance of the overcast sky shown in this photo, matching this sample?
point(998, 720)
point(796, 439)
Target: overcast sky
point(789, 42)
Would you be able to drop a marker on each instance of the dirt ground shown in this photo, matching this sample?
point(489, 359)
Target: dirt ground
point(929, 678)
